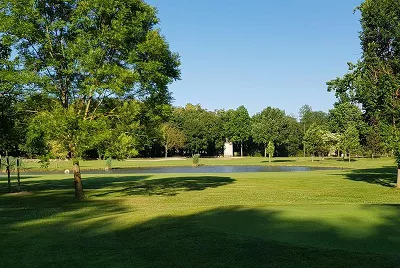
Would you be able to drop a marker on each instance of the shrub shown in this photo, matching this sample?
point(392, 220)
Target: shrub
point(108, 163)
point(44, 161)
point(196, 160)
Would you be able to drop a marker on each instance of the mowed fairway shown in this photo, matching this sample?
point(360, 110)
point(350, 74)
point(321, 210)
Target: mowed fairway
point(337, 218)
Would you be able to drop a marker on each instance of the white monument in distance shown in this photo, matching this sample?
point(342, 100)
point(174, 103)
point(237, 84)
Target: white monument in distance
point(228, 149)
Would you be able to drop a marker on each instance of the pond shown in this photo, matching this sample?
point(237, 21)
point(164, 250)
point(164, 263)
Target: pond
point(200, 169)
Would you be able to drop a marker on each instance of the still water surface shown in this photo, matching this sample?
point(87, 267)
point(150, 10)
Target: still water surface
point(200, 169)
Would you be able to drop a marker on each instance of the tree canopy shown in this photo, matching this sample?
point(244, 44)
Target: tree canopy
point(82, 52)
point(373, 82)
point(237, 125)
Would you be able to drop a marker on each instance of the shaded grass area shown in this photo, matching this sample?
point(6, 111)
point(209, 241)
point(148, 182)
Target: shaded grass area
point(87, 238)
point(307, 219)
point(125, 185)
point(384, 176)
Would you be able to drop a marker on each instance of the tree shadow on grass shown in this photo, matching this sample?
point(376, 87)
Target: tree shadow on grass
point(221, 237)
point(385, 176)
point(38, 183)
point(167, 186)
point(125, 185)
point(249, 238)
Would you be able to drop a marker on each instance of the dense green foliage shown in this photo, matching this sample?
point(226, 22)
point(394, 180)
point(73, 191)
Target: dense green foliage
point(313, 140)
point(87, 83)
point(85, 57)
point(173, 138)
point(349, 141)
point(133, 129)
point(236, 125)
point(373, 82)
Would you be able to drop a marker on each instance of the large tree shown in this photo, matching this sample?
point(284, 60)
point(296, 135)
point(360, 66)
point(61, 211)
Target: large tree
point(237, 126)
point(374, 142)
point(313, 140)
point(350, 140)
point(267, 126)
point(374, 81)
point(291, 140)
point(12, 113)
point(202, 129)
point(84, 51)
point(308, 117)
point(172, 137)
point(343, 114)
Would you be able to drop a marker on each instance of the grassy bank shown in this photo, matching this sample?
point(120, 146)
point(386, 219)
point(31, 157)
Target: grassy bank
point(31, 165)
point(307, 219)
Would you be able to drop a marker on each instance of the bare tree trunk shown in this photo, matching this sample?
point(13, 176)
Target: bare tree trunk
point(18, 177)
point(8, 173)
point(265, 150)
point(241, 148)
point(166, 151)
point(78, 180)
point(269, 157)
point(398, 177)
point(349, 158)
point(312, 157)
point(64, 97)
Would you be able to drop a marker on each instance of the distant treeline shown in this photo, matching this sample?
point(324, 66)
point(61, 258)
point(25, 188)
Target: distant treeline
point(35, 126)
point(98, 88)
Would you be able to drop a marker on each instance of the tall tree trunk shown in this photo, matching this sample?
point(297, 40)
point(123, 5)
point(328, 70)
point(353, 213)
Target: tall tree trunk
point(78, 180)
point(349, 158)
point(166, 151)
point(312, 157)
point(241, 148)
point(8, 173)
point(265, 150)
point(269, 157)
point(18, 176)
point(64, 98)
point(398, 177)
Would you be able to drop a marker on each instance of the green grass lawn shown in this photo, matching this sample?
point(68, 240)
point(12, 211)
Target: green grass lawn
point(336, 218)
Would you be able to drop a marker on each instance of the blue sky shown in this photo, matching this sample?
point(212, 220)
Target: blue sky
point(259, 53)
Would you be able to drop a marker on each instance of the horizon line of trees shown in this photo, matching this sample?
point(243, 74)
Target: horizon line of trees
point(133, 128)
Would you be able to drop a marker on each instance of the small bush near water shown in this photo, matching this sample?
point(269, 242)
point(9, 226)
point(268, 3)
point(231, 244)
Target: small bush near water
point(196, 160)
point(108, 163)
